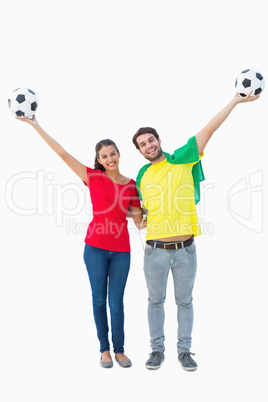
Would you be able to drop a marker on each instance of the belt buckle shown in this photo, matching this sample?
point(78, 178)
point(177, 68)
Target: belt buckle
point(168, 244)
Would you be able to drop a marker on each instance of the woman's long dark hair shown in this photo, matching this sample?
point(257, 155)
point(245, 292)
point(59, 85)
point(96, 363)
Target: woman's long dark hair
point(99, 145)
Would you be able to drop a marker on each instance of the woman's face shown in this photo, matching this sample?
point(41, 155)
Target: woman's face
point(109, 157)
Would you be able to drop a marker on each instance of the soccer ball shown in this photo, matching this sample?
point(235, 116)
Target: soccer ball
point(249, 80)
point(23, 102)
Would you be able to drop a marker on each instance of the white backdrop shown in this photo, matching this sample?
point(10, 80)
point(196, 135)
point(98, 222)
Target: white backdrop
point(102, 70)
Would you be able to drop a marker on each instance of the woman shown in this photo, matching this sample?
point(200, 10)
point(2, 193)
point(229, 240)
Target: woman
point(107, 248)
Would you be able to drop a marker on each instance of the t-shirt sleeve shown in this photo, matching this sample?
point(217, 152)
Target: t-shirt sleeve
point(135, 200)
point(90, 172)
point(200, 157)
point(188, 153)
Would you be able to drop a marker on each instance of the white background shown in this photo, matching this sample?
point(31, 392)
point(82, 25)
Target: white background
point(102, 69)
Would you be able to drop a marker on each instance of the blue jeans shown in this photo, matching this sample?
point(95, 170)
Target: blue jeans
point(108, 272)
point(183, 265)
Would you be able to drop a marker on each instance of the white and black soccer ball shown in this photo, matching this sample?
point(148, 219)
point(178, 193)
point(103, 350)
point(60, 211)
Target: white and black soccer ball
point(249, 80)
point(23, 102)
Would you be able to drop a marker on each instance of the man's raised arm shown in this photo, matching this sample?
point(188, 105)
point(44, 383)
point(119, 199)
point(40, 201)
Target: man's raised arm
point(204, 135)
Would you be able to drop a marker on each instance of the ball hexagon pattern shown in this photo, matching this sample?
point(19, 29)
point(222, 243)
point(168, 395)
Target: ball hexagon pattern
point(23, 102)
point(249, 80)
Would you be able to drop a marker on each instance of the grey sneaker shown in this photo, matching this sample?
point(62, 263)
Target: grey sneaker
point(187, 362)
point(155, 360)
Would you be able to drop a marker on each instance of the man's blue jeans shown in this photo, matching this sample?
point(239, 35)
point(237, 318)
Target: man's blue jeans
point(108, 272)
point(183, 264)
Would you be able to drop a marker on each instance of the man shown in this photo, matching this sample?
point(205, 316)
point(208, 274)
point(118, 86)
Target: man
point(169, 188)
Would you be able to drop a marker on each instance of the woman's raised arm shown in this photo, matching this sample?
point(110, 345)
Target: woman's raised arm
point(73, 163)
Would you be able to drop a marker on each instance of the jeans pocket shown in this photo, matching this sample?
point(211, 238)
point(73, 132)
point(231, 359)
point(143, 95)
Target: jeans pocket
point(191, 249)
point(148, 249)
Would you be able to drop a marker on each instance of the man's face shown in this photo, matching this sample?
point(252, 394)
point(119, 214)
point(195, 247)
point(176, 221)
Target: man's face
point(149, 146)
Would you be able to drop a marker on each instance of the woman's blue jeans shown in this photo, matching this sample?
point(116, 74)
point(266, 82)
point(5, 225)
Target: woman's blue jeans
point(108, 272)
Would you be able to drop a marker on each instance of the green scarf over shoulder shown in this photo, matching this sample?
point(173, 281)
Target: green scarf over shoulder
point(186, 154)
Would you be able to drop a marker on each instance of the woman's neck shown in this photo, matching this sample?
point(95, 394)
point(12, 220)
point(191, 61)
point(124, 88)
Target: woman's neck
point(114, 175)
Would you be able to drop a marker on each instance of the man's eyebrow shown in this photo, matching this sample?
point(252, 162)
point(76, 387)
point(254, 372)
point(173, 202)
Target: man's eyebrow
point(142, 142)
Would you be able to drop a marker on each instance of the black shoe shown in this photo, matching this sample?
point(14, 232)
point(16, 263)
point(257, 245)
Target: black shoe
point(155, 360)
point(187, 362)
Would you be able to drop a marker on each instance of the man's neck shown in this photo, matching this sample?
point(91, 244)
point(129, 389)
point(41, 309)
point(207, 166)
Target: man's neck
point(160, 159)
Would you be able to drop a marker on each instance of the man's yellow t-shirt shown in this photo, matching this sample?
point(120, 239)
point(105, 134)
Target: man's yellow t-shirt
point(168, 194)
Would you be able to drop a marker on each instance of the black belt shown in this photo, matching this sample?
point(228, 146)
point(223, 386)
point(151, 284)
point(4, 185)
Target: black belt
point(170, 246)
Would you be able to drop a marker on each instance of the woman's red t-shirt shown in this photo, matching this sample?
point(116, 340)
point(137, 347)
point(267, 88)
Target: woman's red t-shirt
point(110, 201)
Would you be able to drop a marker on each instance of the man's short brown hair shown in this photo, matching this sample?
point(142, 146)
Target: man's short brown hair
point(144, 130)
